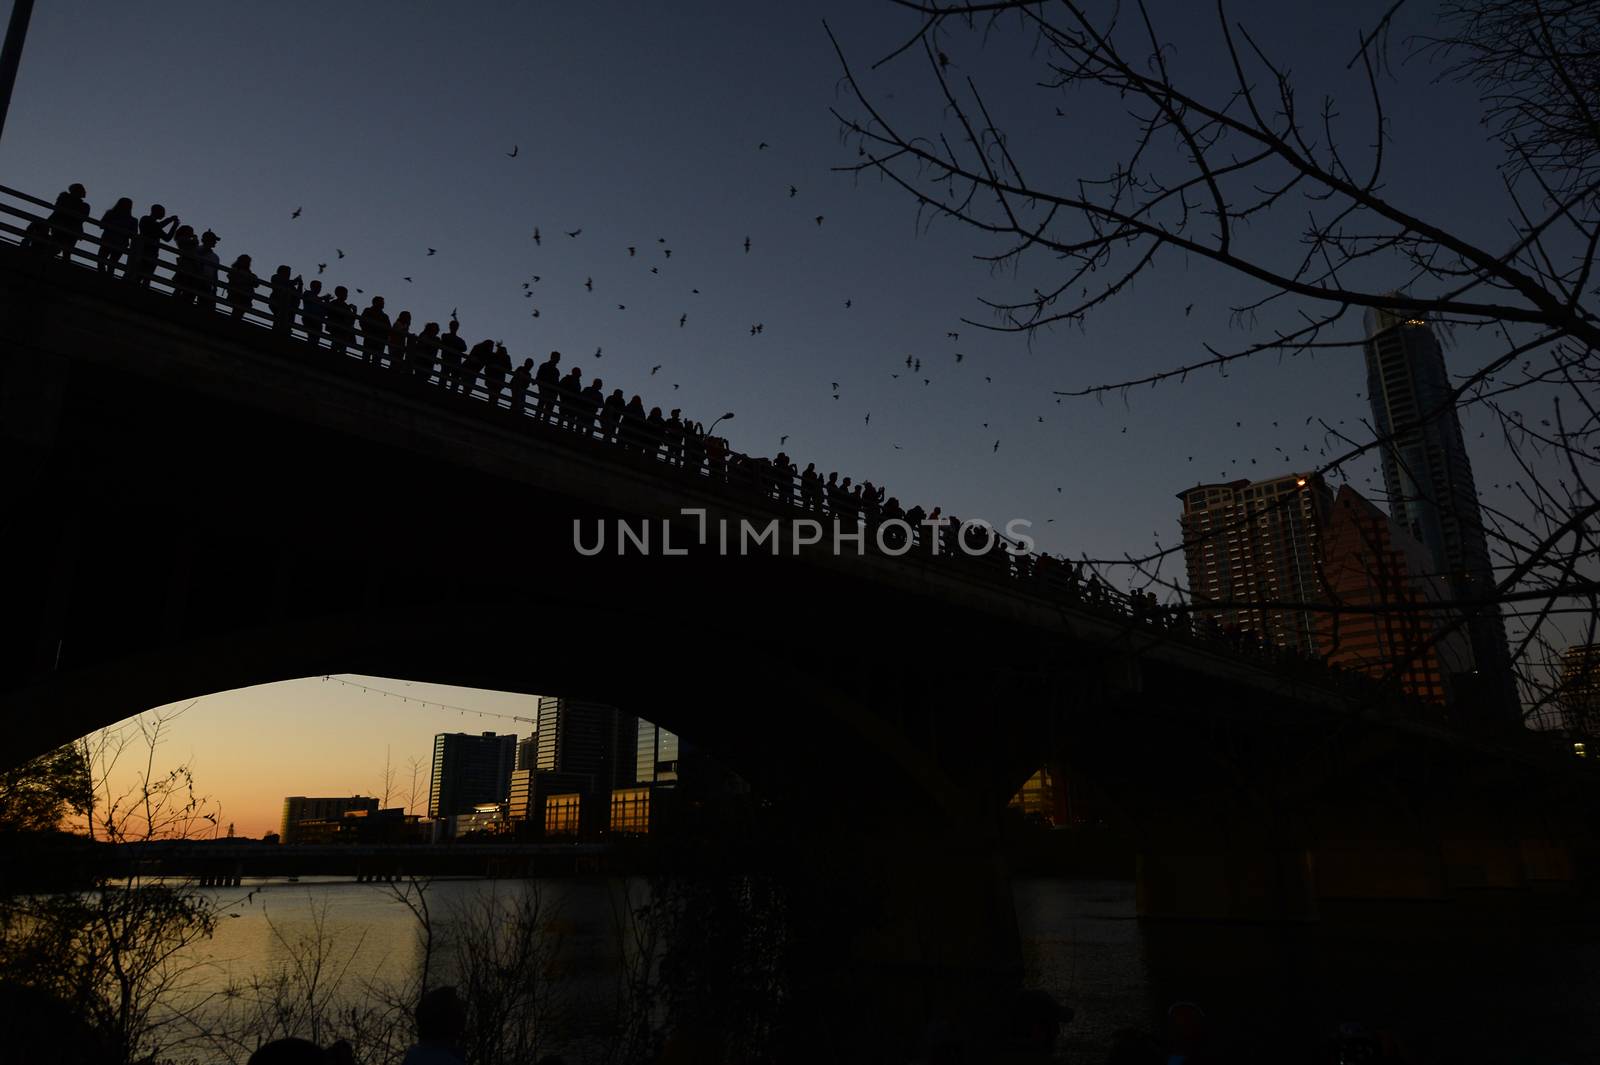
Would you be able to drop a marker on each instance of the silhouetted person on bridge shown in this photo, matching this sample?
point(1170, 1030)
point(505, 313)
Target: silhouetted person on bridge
point(242, 283)
point(441, 1023)
point(810, 488)
point(118, 227)
point(674, 431)
point(633, 416)
point(786, 473)
point(283, 299)
point(374, 331)
point(478, 358)
point(495, 371)
point(716, 457)
point(186, 279)
point(313, 311)
point(871, 504)
point(590, 402)
point(893, 536)
point(611, 417)
point(571, 388)
point(694, 446)
point(36, 239)
point(341, 320)
point(452, 353)
point(154, 227)
point(207, 269)
point(422, 353)
point(655, 427)
point(548, 381)
point(399, 337)
point(521, 379)
point(67, 219)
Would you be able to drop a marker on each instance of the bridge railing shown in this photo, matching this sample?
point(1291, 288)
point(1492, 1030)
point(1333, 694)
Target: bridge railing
point(169, 274)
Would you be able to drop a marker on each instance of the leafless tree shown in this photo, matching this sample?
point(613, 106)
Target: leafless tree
point(414, 792)
point(1221, 165)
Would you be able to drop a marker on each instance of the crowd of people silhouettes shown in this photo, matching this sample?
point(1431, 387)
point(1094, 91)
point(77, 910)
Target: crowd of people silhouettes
point(563, 400)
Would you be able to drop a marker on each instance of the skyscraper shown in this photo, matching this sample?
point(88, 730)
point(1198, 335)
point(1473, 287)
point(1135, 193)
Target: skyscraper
point(1371, 563)
point(1258, 542)
point(1428, 477)
point(1579, 694)
point(586, 738)
point(584, 750)
point(468, 770)
point(1261, 547)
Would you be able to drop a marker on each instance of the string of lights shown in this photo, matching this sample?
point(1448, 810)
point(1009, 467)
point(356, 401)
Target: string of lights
point(428, 704)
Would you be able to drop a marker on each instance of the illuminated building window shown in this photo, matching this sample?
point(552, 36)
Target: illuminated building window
point(630, 811)
point(561, 814)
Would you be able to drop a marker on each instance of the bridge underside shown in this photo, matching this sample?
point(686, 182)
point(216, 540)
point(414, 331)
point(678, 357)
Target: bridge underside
point(196, 508)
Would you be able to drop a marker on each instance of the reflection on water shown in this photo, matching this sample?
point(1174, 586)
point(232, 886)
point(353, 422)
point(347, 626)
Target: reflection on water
point(1482, 986)
point(1485, 983)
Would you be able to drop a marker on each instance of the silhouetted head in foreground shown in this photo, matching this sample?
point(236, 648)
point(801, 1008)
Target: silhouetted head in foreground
point(1034, 1020)
point(1188, 1032)
point(288, 1052)
point(1133, 1047)
point(39, 1027)
point(441, 1017)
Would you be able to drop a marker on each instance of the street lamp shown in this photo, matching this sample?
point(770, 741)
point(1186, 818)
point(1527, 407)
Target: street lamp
point(724, 418)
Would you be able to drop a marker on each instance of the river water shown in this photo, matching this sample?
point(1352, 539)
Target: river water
point(1462, 985)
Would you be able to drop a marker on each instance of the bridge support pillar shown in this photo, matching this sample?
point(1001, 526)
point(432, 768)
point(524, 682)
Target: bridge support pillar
point(918, 926)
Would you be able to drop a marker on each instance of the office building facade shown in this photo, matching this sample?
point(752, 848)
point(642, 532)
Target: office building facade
point(583, 751)
point(1381, 579)
point(470, 770)
point(304, 808)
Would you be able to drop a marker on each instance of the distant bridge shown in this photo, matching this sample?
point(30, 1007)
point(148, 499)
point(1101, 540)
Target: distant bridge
point(197, 503)
point(211, 863)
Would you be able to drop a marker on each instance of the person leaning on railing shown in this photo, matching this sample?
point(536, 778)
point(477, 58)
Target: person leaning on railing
point(341, 321)
point(118, 228)
point(154, 227)
point(67, 218)
point(241, 287)
point(283, 300)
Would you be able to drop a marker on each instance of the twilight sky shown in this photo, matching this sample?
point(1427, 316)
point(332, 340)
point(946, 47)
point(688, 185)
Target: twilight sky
point(389, 125)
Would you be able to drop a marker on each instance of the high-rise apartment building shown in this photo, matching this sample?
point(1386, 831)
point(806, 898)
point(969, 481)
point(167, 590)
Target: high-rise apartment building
point(1579, 693)
point(1251, 544)
point(470, 770)
point(1428, 478)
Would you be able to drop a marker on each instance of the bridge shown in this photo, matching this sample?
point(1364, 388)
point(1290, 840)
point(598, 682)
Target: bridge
point(200, 501)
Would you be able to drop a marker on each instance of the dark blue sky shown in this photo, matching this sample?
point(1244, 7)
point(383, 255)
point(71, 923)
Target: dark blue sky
point(389, 123)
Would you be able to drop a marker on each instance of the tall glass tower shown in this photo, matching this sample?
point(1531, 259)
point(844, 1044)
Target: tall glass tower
point(1428, 478)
